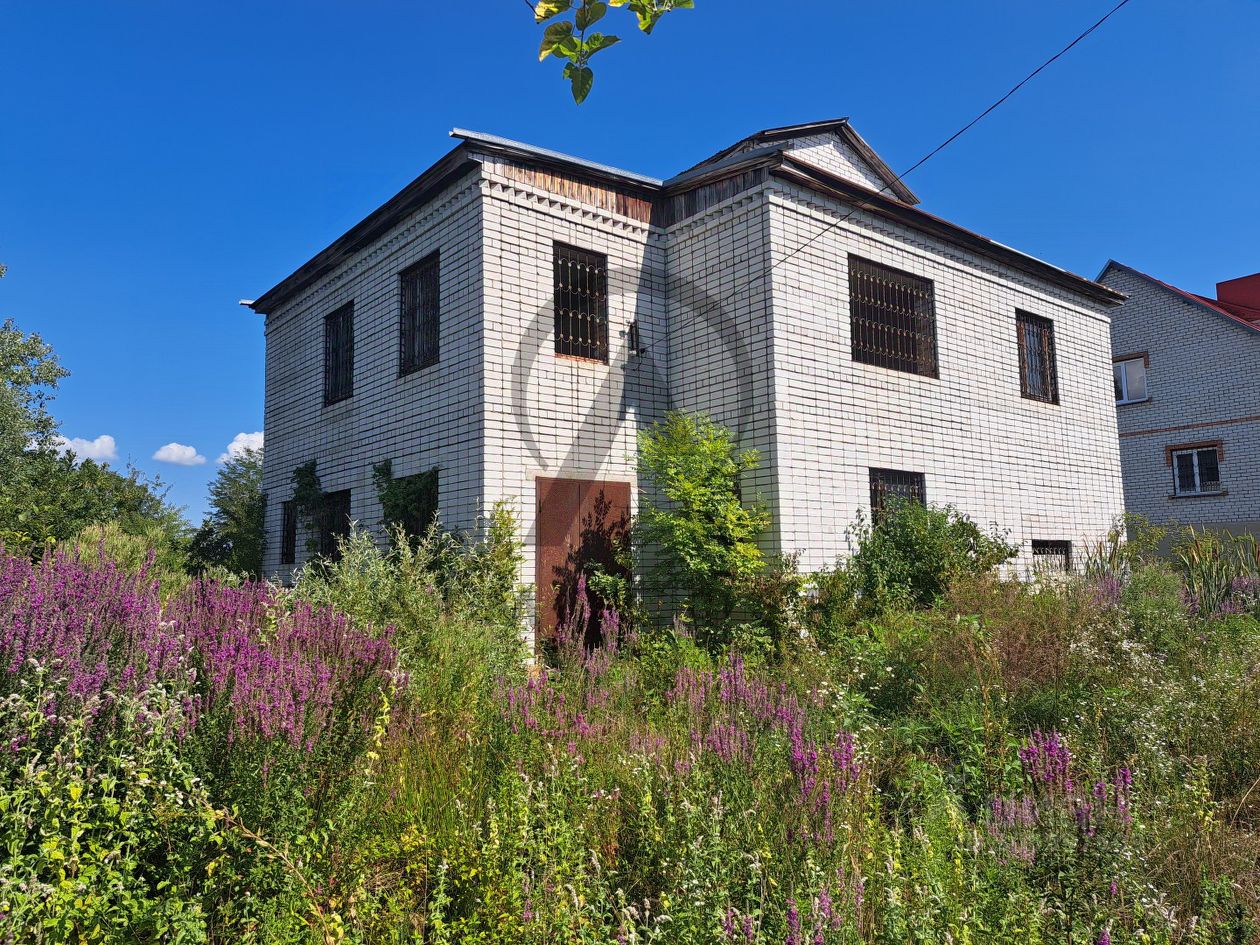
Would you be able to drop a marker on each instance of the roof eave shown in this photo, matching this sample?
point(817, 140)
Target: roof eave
point(806, 175)
point(454, 165)
point(1181, 294)
point(519, 150)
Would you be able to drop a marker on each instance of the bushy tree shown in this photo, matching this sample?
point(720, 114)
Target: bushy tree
point(701, 536)
point(915, 551)
point(46, 495)
point(232, 535)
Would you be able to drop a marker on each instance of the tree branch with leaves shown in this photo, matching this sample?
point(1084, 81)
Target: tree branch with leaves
point(569, 36)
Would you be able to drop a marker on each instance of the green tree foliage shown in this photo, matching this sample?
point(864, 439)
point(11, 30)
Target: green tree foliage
point(232, 535)
point(409, 504)
point(569, 35)
point(913, 554)
point(29, 374)
point(704, 539)
point(46, 495)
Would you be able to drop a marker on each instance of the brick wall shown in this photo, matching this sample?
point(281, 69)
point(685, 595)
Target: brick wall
point(555, 416)
point(1040, 470)
point(432, 417)
point(769, 357)
point(831, 153)
point(1203, 381)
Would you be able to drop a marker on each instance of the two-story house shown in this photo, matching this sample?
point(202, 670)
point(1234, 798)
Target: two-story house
point(515, 316)
point(1187, 390)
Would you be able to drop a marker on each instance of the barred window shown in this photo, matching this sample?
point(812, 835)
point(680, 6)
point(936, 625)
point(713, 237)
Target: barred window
point(412, 503)
point(1196, 471)
point(1051, 557)
point(895, 485)
point(334, 523)
point(581, 303)
point(288, 532)
point(1038, 372)
point(421, 314)
point(339, 354)
point(892, 318)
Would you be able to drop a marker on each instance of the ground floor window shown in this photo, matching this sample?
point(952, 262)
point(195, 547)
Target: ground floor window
point(334, 523)
point(1196, 471)
point(895, 484)
point(288, 532)
point(1051, 557)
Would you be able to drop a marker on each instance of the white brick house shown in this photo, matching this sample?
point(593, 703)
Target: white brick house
point(1187, 389)
point(788, 287)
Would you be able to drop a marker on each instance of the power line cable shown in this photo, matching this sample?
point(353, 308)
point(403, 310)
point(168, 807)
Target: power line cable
point(923, 160)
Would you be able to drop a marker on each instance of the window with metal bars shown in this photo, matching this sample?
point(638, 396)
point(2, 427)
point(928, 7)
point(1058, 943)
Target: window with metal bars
point(1196, 471)
point(1038, 370)
point(339, 354)
point(334, 523)
point(288, 532)
point(1052, 557)
point(581, 303)
point(892, 318)
point(891, 485)
point(421, 314)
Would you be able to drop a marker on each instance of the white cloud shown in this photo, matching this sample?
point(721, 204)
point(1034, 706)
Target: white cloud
point(101, 449)
point(179, 454)
point(240, 443)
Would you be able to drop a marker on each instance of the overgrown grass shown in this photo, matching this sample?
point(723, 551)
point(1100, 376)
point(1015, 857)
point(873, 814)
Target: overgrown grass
point(990, 761)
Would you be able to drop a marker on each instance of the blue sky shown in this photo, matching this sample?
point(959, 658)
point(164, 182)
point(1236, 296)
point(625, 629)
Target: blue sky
point(160, 161)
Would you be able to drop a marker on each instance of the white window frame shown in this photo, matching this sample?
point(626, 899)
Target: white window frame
point(1121, 366)
point(1194, 452)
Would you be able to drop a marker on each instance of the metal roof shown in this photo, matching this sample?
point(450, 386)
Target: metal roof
point(507, 144)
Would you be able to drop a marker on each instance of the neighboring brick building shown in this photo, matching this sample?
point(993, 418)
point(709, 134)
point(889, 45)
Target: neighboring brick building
point(515, 316)
point(1187, 379)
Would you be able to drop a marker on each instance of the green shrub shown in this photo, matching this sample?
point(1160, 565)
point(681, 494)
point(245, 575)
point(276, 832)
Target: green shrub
point(104, 834)
point(701, 538)
point(913, 554)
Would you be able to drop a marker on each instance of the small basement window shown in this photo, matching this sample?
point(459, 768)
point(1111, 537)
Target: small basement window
point(892, 318)
point(1130, 379)
point(1196, 471)
point(581, 287)
point(1051, 557)
point(896, 485)
point(1038, 370)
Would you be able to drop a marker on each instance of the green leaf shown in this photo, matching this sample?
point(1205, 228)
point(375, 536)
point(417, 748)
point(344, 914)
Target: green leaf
point(582, 78)
point(590, 13)
point(596, 42)
point(553, 36)
point(545, 9)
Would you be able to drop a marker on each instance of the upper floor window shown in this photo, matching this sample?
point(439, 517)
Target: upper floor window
point(1038, 371)
point(1196, 469)
point(339, 354)
point(1130, 377)
point(334, 523)
point(581, 303)
point(895, 485)
point(892, 317)
point(288, 532)
point(421, 314)
point(1052, 557)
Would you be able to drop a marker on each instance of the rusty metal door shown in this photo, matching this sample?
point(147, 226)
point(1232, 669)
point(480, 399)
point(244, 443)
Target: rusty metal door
point(580, 522)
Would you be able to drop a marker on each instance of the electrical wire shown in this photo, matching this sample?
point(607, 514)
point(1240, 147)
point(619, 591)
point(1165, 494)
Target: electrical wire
point(918, 164)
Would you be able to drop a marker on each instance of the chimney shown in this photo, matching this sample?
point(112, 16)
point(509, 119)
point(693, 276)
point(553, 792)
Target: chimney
point(1244, 293)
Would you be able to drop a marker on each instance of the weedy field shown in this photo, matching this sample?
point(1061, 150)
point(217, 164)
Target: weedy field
point(905, 749)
